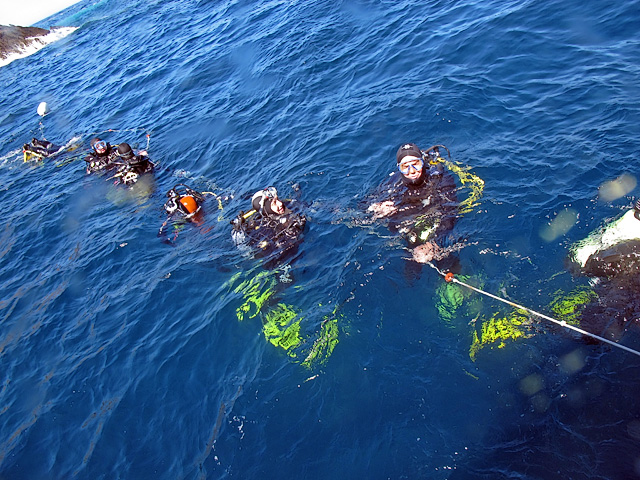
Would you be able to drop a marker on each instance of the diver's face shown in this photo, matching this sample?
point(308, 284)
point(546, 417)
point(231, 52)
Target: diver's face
point(411, 167)
point(100, 147)
point(277, 206)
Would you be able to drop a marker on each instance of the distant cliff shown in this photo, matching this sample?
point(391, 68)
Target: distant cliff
point(13, 39)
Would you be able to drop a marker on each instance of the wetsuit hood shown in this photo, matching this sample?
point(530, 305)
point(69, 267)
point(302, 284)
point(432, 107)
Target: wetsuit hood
point(124, 151)
point(267, 208)
point(261, 201)
point(406, 150)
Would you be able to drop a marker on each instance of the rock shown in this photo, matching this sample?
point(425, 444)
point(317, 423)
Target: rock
point(13, 39)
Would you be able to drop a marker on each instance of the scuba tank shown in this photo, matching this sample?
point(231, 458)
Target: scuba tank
point(183, 200)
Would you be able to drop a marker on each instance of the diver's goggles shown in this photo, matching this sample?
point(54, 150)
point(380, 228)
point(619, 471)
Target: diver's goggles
point(100, 146)
point(416, 165)
point(271, 192)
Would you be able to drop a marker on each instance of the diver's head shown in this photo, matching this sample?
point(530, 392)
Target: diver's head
point(124, 151)
point(267, 202)
point(99, 146)
point(410, 164)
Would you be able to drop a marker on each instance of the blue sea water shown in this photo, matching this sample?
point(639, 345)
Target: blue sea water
point(124, 357)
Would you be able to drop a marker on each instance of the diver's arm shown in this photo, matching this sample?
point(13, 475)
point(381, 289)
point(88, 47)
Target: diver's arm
point(388, 194)
point(382, 209)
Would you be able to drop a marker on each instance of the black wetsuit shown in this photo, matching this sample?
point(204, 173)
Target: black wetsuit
point(129, 170)
point(277, 235)
point(178, 213)
point(617, 306)
point(618, 254)
point(40, 148)
point(621, 259)
point(97, 162)
point(425, 211)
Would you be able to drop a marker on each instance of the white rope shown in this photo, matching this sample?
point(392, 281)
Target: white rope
point(562, 323)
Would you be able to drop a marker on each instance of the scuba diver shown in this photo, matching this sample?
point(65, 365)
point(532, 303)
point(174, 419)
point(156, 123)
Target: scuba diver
point(101, 156)
point(612, 250)
point(131, 166)
point(39, 149)
point(610, 255)
point(606, 306)
point(270, 226)
point(183, 204)
point(273, 230)
point(419, 201)
point(183, 201)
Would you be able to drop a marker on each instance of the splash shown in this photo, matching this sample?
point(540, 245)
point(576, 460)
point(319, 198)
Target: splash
point(623, 229)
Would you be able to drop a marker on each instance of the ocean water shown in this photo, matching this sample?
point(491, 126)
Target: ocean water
point(124, 357)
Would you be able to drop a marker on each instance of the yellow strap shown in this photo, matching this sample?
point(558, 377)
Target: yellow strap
point(217, 198)
point(474, 183)
point(249, 213)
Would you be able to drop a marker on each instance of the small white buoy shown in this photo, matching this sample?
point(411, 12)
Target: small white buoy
point(43, 109)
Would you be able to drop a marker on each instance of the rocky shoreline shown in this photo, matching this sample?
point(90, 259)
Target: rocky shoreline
point(13, 39)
